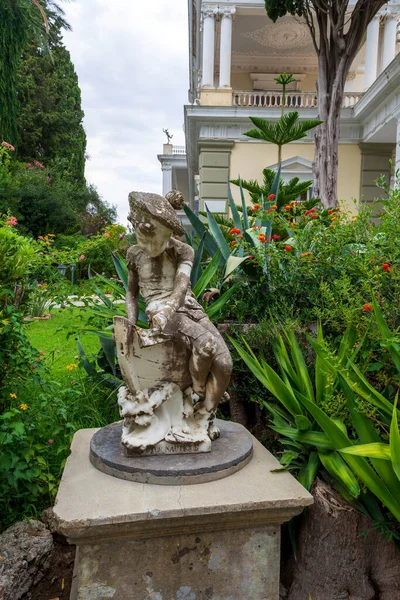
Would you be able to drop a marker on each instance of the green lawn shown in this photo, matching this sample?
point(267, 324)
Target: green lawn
point(57, 337)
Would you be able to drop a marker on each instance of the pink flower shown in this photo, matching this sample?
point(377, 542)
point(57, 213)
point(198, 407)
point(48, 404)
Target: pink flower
point(51, 441)
point(28, 164)
point(48, 179)
point(39, 285)
point(41, 253)
point(12, 221)
point(107, 234)
point(82, 257)
point(41, 352)
point(8, 146)
point(38, 164)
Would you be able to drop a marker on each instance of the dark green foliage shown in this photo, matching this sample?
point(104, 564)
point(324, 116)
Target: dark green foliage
point(279, 8)
point(20, 20)
point(50, 114)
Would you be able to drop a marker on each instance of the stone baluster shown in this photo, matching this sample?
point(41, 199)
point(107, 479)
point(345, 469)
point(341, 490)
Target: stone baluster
point(371, 56)
point(208, 17)
point(225, 59)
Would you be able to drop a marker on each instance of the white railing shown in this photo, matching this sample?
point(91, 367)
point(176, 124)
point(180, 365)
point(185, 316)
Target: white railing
point(178, 149)
point(293, 99)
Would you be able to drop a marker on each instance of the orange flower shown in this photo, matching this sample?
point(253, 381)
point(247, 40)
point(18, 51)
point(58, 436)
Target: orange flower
point(232, 244)
point(368, 307)
point(331, 227)
point(334, 218)
point(261, 237)
point(24, 407)
point(314, 216)
point(306, 254)
point(234, 231)
point(274, 207)
point(330, 211)
point(288, 248)
point(256, 207)
point(386, 267)
point(288, 207)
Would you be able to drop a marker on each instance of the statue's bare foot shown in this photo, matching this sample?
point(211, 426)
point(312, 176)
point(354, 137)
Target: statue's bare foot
point(213, 431)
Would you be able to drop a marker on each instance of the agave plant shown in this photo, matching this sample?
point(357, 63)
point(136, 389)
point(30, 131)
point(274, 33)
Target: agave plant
point(363, 466)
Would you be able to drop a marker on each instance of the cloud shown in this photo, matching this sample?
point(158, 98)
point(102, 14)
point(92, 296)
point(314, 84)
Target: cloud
point(132, 62)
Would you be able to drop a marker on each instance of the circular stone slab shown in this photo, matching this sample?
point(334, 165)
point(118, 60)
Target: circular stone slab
point(229, 453)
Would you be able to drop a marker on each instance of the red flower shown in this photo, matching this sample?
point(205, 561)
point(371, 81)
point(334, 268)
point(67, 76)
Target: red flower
point(314, 216)
point(276, 237)
point(233, 243)
point(288, 248)
point(234, 231)
point(261, 237)
point(271, 197)
point(386, 267)
point(368, 307)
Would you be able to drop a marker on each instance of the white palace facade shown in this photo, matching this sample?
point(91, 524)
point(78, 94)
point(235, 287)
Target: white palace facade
point(236, 52)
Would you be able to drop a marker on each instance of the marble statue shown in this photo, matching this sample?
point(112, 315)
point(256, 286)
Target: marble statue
point(177, 371)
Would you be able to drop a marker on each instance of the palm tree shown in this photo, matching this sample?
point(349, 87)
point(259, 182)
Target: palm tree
point(20, 21)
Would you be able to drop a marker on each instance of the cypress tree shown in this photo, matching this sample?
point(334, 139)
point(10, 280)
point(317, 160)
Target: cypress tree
point(50, 114)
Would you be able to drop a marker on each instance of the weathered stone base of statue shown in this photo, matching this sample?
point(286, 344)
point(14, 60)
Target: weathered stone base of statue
point(211, 541)
point(172, 463)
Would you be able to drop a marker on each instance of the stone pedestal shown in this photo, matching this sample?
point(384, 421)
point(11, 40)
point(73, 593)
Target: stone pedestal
point(207, 541)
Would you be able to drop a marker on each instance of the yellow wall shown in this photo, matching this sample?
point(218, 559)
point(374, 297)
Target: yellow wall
point(249, 159)
point(241, 81)
point(309, 83)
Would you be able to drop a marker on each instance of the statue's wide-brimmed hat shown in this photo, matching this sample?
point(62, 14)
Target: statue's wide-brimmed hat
point(157, 207)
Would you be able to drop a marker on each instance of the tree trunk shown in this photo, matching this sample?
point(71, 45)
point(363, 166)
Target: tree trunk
point(326, 159)
point(340, 555)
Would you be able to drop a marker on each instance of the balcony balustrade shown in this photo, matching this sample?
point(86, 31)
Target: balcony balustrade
point(178, 149)
point(294, 100)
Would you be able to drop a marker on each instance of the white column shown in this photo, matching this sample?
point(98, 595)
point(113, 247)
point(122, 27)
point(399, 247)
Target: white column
point(389, 39)
point(225, 51)
point(208, 46)
point(166, 178)
point(371, 54)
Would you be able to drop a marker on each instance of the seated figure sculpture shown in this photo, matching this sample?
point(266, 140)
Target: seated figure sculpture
point(177, 371)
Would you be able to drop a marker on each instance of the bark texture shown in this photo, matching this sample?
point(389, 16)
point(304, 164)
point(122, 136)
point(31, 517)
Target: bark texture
point(337, 31)
point(341, 556)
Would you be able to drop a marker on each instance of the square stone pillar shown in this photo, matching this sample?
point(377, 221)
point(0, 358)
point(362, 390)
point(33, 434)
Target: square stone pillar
point(208, 541)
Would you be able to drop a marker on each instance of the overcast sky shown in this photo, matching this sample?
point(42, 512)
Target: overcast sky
point(131, 58)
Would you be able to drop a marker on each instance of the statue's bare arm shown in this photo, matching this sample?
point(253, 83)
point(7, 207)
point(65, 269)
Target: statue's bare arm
point(132, 295)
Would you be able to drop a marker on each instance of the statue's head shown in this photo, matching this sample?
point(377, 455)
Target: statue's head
point(154, 220)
